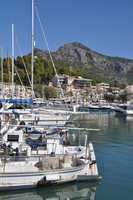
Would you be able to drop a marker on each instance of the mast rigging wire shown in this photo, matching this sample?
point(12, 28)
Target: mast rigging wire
point(19, 48)
point(46, 42)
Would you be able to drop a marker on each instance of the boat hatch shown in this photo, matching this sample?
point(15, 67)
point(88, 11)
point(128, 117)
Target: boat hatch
point(13, 138)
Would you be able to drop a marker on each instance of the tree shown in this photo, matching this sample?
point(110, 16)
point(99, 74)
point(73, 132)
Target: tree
point(50, 92)
point(109, 97)
point(38, 90)
point(123, 97)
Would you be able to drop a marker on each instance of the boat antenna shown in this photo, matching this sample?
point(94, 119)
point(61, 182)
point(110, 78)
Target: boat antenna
point(86, 138)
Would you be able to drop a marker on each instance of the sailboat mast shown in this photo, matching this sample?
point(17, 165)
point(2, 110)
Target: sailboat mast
point(2, 66)
point(2, 71)
point(32, 58)
point(12, 60)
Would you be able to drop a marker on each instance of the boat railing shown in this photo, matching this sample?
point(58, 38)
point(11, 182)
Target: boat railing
point(37, 158)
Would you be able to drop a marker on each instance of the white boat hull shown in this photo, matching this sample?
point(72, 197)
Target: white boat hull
point(12, 181)
point(28, 175)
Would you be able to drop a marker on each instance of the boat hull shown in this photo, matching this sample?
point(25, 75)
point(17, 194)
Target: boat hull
point(14, 181)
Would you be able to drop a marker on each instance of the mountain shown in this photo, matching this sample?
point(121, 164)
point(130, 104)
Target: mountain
point(95, 65)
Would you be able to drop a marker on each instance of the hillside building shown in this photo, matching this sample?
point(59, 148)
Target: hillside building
point(17, 91)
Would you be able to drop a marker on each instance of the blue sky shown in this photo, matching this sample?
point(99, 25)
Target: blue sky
point(105, 26)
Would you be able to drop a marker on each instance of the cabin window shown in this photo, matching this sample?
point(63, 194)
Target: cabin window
point(13, 138)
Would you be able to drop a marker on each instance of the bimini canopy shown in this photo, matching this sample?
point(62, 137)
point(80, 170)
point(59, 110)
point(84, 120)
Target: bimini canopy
point(26, 101)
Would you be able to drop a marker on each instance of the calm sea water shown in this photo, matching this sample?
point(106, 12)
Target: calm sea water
point(114, 150)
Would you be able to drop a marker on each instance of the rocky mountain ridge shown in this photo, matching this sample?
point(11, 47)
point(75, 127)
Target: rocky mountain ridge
point(77, 55)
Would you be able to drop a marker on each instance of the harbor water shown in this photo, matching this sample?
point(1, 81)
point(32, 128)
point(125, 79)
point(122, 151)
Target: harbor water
point(113, 145)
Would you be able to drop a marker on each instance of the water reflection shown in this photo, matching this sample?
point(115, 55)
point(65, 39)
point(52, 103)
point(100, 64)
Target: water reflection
point(94, 120)
point(104, 121)
point(75, 191)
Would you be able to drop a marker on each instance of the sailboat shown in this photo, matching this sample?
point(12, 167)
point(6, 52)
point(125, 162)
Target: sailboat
point(34, 171)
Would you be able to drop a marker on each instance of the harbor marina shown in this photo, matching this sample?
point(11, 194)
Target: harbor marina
point(22, 166)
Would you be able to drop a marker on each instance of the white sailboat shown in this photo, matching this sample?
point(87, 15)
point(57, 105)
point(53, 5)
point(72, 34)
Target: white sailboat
point(29, 172)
